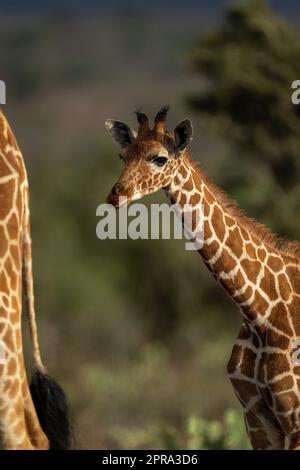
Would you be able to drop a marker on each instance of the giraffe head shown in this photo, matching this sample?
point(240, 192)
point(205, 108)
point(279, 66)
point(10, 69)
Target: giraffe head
point(151, 156)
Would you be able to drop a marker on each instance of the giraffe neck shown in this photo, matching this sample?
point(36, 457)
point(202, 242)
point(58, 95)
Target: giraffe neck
point(250, 271)
point(19, 424)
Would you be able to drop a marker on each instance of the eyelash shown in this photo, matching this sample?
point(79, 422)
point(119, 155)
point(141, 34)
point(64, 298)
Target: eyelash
point(121, 157)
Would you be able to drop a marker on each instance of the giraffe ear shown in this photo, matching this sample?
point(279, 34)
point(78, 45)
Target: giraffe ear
point(120, 132)
point(183, 133)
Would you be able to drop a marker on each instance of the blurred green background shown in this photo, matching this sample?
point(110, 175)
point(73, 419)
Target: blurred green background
point(137, 332)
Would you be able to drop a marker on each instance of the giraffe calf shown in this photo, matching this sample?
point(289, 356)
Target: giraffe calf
point(259, 271)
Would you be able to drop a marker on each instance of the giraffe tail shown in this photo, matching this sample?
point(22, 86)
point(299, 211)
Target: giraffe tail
point(52, 409)
point(48, 397)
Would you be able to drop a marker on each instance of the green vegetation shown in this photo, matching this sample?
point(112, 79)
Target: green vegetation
point(250, 62)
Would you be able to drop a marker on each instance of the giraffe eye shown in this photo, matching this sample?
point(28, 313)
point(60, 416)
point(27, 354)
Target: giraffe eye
point(159, 161)
point(121, 157)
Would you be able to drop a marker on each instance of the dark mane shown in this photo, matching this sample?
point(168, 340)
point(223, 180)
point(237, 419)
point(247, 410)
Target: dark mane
point(280, 244)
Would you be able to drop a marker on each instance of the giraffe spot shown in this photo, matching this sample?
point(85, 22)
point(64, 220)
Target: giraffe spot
point(225, 263)
point(13, 392)
point(261, 253)
point(209, 250)
point(206, 210)
point(3, 242)
point(251, 268)
point(234, 359)
point(239, 280)
point(267, 284)
point(12, 366)
point(7, 191)
point(183, 199)
point(228, 285)
point(196, 220)
point(277, 340)
point(245, 389)
point(229, 221)
point(183, 171)
point(253, 420)
point(286, 401)
point(294, 309)
point(279, 318)
point(8, 338)
point(177, 181)
point(275, 263)
point(248, 363)
point(296, 370)
point(257, 307)
point(194, 199)
point(251, 251)
point(14, 317)
point(259, 439)
point(293, 274)
point(280, 385)
point(284, 287)
point(235, 243)
point(19, 405)
point(174, 197)
point(3, 282)
point(217, 221)
point(277, 364)
point(13, 227)
point(244, 332)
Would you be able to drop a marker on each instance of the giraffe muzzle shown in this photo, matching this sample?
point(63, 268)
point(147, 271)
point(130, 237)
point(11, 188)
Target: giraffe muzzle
point(118, 196)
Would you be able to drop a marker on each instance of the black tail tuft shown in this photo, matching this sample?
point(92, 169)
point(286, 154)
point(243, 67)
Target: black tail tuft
point(51, 406)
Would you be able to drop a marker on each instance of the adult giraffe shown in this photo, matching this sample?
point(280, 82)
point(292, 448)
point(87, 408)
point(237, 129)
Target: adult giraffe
point(34, 418)
point(259, 271)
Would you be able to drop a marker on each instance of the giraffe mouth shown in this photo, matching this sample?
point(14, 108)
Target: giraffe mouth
point(118, 200)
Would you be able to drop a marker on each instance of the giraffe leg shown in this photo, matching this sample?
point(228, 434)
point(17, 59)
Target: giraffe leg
point(294, 443)
point(264, 433)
